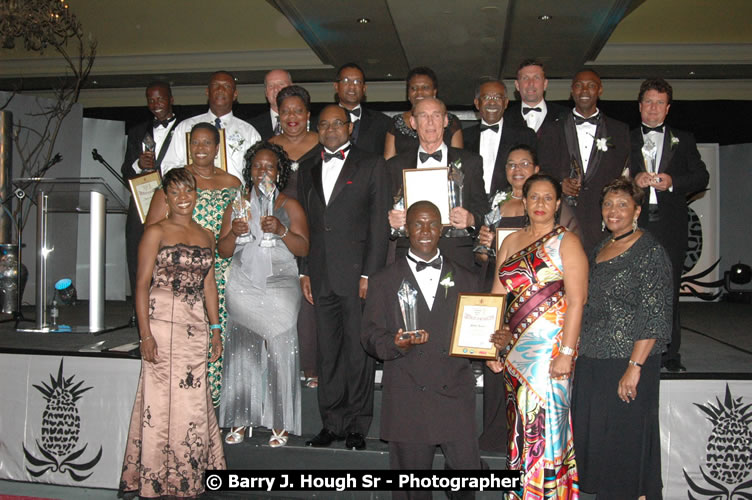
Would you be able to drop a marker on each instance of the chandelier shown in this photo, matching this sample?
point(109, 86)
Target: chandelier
point(38, 22)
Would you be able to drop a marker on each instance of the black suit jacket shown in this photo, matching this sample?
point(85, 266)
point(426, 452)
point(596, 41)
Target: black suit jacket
point(428, 396)
point(513, 115)
point(369, 132)
point(681, 160)
point(474, 198)
point(349, 235)
point(263, 125)
point(511, 135)
point(556, 151)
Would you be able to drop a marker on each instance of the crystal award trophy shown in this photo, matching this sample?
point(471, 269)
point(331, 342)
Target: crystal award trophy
point(241, 209)
point(399, 204)
point(575, 172)
point(408, 301)
point(456, 183)
point(268, 195)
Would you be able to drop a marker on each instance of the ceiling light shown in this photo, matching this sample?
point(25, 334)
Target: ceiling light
point(363, 20)
point(545, 17)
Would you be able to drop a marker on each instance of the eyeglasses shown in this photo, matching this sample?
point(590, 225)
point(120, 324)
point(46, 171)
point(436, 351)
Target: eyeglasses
point(347, 81)
point(523, 164)
point(492, 97)
point(334, 124)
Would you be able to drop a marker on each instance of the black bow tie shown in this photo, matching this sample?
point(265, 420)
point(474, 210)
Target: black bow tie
point(495, 128)
point(337, 154)
point(436, 155)
point(164, 123)
point(525, 111)
point(646, 129)
point(354, 112)
point(420, 265)
point(578, 120)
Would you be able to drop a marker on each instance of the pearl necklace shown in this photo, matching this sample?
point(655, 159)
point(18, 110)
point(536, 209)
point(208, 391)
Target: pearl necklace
point(194, 171)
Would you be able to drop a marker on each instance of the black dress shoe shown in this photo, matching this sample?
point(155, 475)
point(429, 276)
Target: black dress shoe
point(323, 439)
point(355, 441)
point(674, 365)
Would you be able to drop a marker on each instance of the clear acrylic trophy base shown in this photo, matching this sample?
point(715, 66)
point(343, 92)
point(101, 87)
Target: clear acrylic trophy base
point(268, 241)
point(453, 232)
point(409, 334)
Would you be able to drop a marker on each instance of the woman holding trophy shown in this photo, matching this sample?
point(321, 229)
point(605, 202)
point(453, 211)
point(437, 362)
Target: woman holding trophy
point(263, 230)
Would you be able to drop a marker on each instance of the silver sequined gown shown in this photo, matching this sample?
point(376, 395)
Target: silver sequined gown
point(260, 380)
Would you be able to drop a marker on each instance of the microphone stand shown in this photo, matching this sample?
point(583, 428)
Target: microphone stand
point(100, 159)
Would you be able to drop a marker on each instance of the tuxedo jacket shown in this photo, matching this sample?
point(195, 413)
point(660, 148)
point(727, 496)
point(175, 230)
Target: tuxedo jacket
point(681, 160)
point(513, 116)
point(369, 132)
point(511, 135)
point(428, 396)
point(556, 151)
point(474, 199)
point(263, 125)
point(349, 235)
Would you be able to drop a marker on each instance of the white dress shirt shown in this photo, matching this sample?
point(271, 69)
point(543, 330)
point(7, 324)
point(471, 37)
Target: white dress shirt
point(330, 171)
point(431, 162)
point(159, 134)
point(657, 139)
point(239, 136)
point(353, 118)
point(534, 119)
point(586, 138)
point(489, 149)
point(428, 278)
point(275, 119)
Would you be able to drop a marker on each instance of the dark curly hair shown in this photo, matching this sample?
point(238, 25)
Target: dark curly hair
point(657, 84)
point(284, 164)
point(624, 185)
point(525, 147)
point(294, 91)
point(423, 71)
point(206, 126)
point(541, 177)
point(180, 176)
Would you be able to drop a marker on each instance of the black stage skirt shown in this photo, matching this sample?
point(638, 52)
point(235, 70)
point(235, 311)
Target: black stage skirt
point(616, 444)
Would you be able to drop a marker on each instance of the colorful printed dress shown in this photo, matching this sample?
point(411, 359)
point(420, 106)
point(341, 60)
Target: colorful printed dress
point(210, 208)
point(173, 436)
point(539, 422)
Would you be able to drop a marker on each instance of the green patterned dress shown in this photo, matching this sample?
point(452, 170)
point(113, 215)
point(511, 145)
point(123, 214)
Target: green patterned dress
point(210, 208)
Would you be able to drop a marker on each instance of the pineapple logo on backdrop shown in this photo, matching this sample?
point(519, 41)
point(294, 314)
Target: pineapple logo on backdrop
point(61, 427)
point(728, 454)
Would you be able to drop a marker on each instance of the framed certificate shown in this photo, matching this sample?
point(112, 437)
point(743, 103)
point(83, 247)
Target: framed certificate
point(142, 190)
point(221, 160)
point(501, 234)
point(429, 184)
point(477, 317)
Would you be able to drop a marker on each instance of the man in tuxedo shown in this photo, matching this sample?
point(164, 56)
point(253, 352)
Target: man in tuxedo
point(345, 194)
point(533, 111)
point(428, 396)
point(429, 117)
point(493, 136)
point(239, 135)
point(666, 163)
point(369, 127)
point(147, 145)
point(267, 123)
point(587, 142)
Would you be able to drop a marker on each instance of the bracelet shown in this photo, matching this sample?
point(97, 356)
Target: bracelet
point(635, 363)
point(567, 351)
point(215, 327)
point(287, 230)
point(140, 341)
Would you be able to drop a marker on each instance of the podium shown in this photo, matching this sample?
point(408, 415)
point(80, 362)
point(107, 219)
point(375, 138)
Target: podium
point(77, 195)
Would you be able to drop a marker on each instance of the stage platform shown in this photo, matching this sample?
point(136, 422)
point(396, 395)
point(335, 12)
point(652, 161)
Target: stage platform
point(717, 345)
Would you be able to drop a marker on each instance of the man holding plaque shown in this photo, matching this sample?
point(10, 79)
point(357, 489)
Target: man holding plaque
point(428, 396)
point(344, 193)
point(586, 150)
point(239, 135)
point(147, 144)
point(429, 117)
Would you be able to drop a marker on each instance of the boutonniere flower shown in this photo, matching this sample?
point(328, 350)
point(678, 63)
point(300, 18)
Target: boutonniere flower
point(603, 144)
point(500, 198)
point(674, 140)
point(235, 142)
point(294, 166)
point(447, 283)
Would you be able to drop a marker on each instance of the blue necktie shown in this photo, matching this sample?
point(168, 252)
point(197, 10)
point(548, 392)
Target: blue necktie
point(218, 123)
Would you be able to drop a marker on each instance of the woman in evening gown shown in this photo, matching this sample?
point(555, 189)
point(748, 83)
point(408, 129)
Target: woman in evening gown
point(215, 189)
point(173, 436)
point(543, 271)
point(261, 386)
